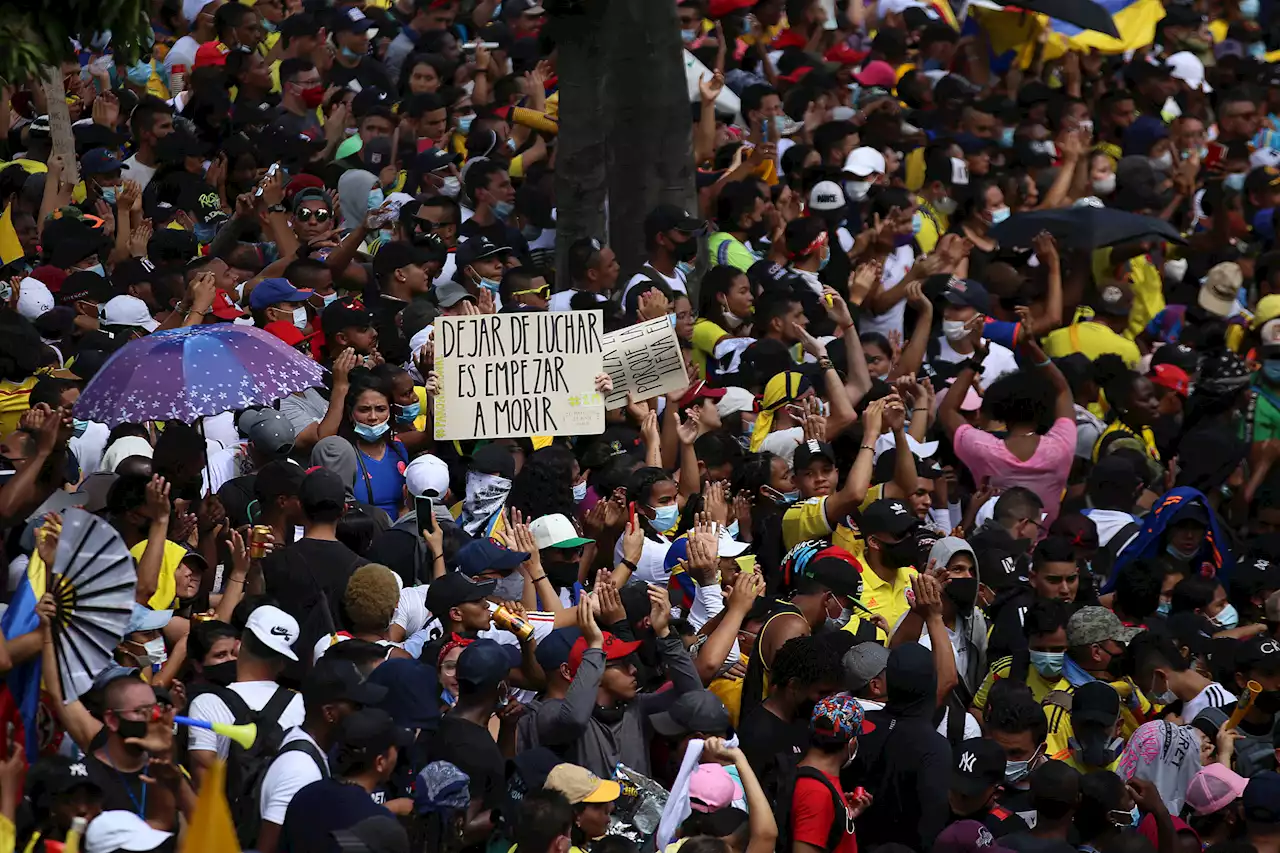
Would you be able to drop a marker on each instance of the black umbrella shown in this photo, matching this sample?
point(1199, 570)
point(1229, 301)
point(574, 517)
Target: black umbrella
point(1085, 14)
point(1083, 227)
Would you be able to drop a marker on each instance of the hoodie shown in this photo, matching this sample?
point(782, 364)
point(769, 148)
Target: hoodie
point(904, 763)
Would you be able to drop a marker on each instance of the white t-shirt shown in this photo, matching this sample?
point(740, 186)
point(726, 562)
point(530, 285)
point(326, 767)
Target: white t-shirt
point(1109, 522)
point(256, 694)
point(183, 52)
point(971, 727)
point(959, 649)
point(140, 173)
point(783, 442)
point(560, 301)
point(649, 273)
point(1213, 696)
point(896, 265)
point(89, 446)
point(411, 610)
point(999, 361)
point(649, 568)
point(288, 774)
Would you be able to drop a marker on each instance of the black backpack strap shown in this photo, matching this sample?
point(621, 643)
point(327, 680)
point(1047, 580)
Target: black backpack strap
point(840, 822)
point(235, 703)
point(306, 746)
point(276, 705)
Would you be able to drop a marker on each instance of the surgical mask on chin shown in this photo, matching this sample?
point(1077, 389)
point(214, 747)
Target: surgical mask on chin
point(348, 53)
point(464, 124)
point(580, 492)
point(330, 298)
point(451, 187)
point(665, 517)
point(502, 209)
point(1178, 554)
point(140, 74)
point(489, 284)
point(1105, 186)
point(1000, 214)
point(945, 205)
point(1048, 664)
point(79, 426)
point(826, 258)
point(955, 330)
point(1166, 697)
point(155, 648)
point(510, 588)
point(1227, 618)
point(857, 190)
point(840, 621)
point(372, 432)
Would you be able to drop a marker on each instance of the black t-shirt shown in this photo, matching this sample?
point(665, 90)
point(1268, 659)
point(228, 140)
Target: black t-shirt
point(473, 751)
point(392, 343)
point(121, 789)
point(998, 820)
point(295, 576)
point(320, 808)
point(1025, 842)
point(765, 736)
point(368, 72)
point(397, 549)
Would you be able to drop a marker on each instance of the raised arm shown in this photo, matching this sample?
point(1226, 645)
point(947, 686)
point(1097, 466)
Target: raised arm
point(156, 508)
point(912, 358)
point(854, 491)
point(1063, 402)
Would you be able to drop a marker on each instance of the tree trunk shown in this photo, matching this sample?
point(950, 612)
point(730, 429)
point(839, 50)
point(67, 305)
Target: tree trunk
point(650, 126)
point(581, 150)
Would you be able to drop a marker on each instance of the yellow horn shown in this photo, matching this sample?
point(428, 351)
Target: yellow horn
point(244, 735)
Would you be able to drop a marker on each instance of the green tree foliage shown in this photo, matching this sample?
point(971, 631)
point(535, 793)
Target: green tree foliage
point(38, 33)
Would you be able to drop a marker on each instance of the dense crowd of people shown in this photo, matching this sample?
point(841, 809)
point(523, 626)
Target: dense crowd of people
point(962, 536)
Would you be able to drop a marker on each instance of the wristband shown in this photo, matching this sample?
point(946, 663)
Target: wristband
point(630, 565)
point(825, 363)
point(1047, 361)
point(535, 580)
point(277, 208)
point(870, 447)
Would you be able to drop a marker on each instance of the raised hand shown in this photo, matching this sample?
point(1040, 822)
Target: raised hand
point(659, 610)
point(715, 503)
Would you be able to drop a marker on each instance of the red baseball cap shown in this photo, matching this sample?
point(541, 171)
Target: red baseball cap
point(614, 649)
point(1172, 377)
point(211, 53)
point(698, 391)
point(225, 307)
point(845, 55)
point(720, 8)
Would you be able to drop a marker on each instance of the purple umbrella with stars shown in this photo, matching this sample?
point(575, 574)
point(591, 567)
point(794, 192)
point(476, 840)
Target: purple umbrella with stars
point(186, 374)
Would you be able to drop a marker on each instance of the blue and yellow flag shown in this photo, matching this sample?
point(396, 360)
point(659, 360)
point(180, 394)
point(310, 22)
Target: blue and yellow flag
point(1013, 33)
point(23, 681)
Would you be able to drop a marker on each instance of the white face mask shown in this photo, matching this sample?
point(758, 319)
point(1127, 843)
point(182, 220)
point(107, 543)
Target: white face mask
point(945, 205)
point(1163, 163)
point(1105, 186)
point(580, 492)
point(857, 190)
point(1174, 270)
point(955, 330)
point(451, 187)
point(299, 318)
point(155, 650)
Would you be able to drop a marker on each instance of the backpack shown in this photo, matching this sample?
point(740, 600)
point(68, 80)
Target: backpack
point(246, 768)
point(789, 770)
point(1104, 559)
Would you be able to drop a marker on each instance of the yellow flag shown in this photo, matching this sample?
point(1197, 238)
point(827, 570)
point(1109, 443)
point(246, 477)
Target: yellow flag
point(10, 248)
point(211, 829)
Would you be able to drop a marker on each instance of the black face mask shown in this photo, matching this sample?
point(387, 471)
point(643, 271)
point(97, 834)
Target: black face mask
point(131, 729)
point(899, 554)
point(757, 231)
point(963, 593)
point(563, 574)
point(223, 674)
point(1268, 702)
point(686, 251)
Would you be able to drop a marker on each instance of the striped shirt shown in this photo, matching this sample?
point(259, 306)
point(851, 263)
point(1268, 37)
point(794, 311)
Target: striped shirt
point(1213, 696)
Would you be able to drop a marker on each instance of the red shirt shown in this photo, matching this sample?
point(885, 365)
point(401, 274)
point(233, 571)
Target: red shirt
point(812, 812)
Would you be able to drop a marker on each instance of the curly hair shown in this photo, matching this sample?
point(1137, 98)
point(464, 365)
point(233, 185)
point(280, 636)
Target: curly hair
point(1012, 710)
point(544, 485)
point(807, 661)
point(371, 598)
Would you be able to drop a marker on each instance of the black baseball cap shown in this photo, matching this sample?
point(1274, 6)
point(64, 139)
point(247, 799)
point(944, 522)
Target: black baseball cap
point(884, 467)
point(1256, 574)
point(967, 291)
point(554, 648)
point(1095, 702)
point(397, 255)
point(485, 663)
point(839, 576)
point(278, 478)
point(369, 732)
point(53, 775)
point(694, 711)
point(670, 217)
point(812, 449)
point(85, 285)
point(368, 100)
point(301, 24)
point(1258, 654)
point(978, 765)
point(454, 588)
point(344, 314)
point(889, 516)
point(321, 490)
point(376, 154)
point(477, 248)
point(333, 679)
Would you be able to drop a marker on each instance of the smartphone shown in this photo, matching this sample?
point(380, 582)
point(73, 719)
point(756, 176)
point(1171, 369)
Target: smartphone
point(1214, 153)
point(631, 512)
point(488, 45)
point(425, 507)
point(271, 173)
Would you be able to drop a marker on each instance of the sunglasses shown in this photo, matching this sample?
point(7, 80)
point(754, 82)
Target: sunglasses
point(319, 215)
point(544, 291)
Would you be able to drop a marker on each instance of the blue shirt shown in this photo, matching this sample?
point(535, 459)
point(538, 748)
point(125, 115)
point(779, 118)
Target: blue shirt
point(383, 478)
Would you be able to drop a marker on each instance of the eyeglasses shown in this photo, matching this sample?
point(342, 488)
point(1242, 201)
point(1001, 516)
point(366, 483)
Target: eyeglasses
point(140, 714)
point(544, 291)
point(318, 214)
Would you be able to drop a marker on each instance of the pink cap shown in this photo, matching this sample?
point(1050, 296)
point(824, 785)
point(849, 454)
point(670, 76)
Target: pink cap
point(712, 788)
point(877, 73)
point(1213, 788)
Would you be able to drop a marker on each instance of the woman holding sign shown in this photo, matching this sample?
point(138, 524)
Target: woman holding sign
point(380, 457)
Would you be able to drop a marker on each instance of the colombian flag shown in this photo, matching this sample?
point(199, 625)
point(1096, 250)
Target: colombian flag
point(23, 681)
point(1013, 32)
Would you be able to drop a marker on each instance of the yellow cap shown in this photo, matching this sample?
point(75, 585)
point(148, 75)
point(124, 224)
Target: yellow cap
point(1268, 309)
point(580, 785)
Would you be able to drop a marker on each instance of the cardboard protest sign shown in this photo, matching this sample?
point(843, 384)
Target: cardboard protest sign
point(645, 360)
point(511, 375)
point(60, 124)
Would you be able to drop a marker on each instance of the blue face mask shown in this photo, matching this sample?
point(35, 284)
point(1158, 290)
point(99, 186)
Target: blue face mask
point(826, 258)
point(98, 268)
point(1048, 664)
point(140, 74)
point(1006, 138)
point(376, 198)
point(205, 232)
point(999, 215)
point(917, 222)
point(1135, 816)
point(1249, 9)
point(1227, 618)
point(665, 517)
point(733, 529)
point(791, 496)
point(268, 26)
point(408, 414)
point(1234, 181)
point(779, 124)
point(502, 209)
point(372, 433)
point(1271, 370)
point(464, 124)
point(1164, 608)
point(1257, 50)
point(108, 194)
point(490, 285)
point(688, 35)
point(331, 298)
point(79, 426)
point(348, 53)
point(580, 492)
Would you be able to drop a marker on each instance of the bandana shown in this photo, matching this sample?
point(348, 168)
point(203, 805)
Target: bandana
point(453, 642)
point(486, 493)
point(1223, 373)
point(441, 788)
point(838, 716)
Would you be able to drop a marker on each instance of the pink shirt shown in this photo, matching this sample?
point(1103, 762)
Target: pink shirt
point(1045, 473)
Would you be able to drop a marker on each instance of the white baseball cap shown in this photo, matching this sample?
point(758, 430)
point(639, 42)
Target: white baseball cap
point(34, 298)
point(919, 449)
point(122, 830)
point(556, 531)
point(1188, 68)
point(128, 311)
point(276, 629)
point(735, 399)
point(427, 476)
point(864, 161)
point(730, 547)
point(826, 195)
